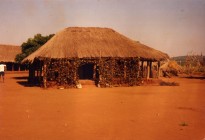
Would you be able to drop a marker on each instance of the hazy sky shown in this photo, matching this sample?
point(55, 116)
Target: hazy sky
point(176, 27)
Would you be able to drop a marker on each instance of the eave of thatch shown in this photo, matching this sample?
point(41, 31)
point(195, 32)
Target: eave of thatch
point(84, 42)
point(9, 52)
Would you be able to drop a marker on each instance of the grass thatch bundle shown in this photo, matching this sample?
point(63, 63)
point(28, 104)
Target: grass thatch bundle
point(172, 68)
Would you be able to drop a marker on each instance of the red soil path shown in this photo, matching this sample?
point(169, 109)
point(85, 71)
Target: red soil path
point(90, 113)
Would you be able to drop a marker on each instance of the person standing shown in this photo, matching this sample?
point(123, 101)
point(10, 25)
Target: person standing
point(2, 71)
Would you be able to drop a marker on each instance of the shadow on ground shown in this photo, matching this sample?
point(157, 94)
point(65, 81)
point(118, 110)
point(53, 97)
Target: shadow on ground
point(21, 78)
point(195, 77)
point(23, 81)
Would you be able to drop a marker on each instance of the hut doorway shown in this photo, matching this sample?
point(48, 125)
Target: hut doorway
point(86, 71)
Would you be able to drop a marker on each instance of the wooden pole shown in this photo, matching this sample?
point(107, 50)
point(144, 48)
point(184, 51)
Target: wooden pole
point(125, 69)
point(12, 65)
point(75, 73)
point(31, 73)
point(158, 70)
point(142, 69)
point(40, 74)
point(148, 70)
point(44, 75)
point(94, 72)
point(112, 70)
point(100, 82)
point(19, 68)
point(151, 74)
point(37, 73)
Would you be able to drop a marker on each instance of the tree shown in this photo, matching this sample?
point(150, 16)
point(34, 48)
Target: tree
point(32, 45)
point(194, 63)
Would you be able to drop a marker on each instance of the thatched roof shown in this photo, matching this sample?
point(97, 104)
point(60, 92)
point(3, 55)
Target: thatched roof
point(87, 42)
point(9, 52)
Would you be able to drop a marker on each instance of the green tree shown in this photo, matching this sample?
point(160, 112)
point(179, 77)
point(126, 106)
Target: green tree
point(32, 45)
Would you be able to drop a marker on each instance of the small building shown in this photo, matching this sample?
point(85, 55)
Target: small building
point(7, 56)
point(99, 54)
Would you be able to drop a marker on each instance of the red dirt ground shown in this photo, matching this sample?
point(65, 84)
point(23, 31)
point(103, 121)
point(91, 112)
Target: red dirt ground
point(91, 113)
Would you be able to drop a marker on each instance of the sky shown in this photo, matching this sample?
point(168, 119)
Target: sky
point(176, 27)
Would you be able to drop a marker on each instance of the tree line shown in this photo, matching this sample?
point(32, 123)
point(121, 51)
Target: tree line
point(31, 45)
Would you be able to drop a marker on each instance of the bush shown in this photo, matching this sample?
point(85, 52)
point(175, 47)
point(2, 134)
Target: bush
point(32, 45)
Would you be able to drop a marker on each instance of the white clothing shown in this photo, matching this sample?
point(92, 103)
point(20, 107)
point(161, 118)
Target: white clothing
point(2, 67)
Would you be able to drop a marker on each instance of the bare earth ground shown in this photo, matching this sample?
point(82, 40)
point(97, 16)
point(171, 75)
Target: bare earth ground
point(90, 113)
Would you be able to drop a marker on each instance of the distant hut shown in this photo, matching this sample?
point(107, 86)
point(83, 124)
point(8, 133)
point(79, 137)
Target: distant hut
point(99, 54)
point(7, 56)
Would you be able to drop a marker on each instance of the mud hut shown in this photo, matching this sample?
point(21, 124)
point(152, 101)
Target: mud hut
point(7, 56)
point(99, 54)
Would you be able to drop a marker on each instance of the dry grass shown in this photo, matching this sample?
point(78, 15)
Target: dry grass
point(83, 42)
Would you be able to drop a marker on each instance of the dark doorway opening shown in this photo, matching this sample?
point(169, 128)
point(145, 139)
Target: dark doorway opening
point(86, 71)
